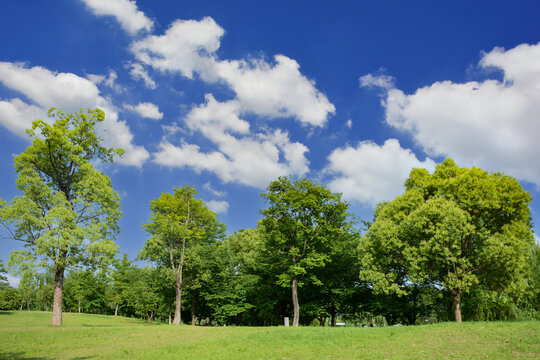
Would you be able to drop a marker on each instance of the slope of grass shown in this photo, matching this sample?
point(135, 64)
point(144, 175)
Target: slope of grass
point(28, 335)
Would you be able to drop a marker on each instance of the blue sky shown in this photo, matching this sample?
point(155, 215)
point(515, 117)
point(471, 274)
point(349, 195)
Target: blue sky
point(229, 95)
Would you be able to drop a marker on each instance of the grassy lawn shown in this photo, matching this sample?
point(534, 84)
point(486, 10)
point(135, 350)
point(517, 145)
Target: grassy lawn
point(28, 335)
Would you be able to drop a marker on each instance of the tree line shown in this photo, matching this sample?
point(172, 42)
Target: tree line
point(456, 245)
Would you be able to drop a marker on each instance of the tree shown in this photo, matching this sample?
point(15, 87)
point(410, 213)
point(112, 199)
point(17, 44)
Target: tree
point(457, 228)
point(302, 220)
point(68, 212)
point(178, 220)
point(143, 291)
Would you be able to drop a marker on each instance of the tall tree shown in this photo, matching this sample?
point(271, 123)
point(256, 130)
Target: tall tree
point(457, 228)
point(302, 220)
point(68, 212)
point(178, 220)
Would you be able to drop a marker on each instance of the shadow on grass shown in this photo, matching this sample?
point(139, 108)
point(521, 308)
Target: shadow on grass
point(23, 356)
point(6, 312)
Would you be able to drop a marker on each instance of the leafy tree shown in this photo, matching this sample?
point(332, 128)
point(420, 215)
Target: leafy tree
point(302, 221)
point(143, 291)
point(119, 284)
point(68, 212)
point(178, 221)
point(457, 228)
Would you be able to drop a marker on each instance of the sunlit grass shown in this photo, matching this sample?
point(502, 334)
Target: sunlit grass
point(28, 335)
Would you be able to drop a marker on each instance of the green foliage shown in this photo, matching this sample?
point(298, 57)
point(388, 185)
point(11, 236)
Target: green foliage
point(178, 220)
point(68, 211)
point(458, 229)
point(302, 221)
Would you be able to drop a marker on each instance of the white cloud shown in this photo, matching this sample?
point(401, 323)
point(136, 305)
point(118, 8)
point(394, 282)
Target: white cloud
point(219, 207)
point(241, 156)
point(138, 72)
point(349, 123)
point(188, 46)
point(208, 187)
point(491, 124)
point(271, 90)
point(381, 81)
point(126, 12)
point(64, 90)
point(146, 110)
point(370, 173)
point(17, 116)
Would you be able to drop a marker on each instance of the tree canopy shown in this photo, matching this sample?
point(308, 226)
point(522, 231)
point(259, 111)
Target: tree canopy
point(457, 228)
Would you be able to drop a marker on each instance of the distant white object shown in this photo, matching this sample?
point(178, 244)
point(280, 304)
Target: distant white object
point(340, 324)
point(286, 320)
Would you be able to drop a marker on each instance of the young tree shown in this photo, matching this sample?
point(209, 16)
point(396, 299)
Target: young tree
point(457, 228)
point(178, 220)
point(302, 221)
point(68, 212)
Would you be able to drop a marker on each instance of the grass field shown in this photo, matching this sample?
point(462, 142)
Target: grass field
point(28, 335)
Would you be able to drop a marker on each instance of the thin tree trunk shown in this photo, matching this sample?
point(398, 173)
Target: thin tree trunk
point(193, 317)
point(116, 310)
point(178, 303)
point(296, 306)
point(79, 304)
point(333, 318)
point(170, 318)
point(457, 304)
point(57, 302)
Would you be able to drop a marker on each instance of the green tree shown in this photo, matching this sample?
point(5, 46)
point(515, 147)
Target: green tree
point(457, 228)
point(178, 221)
point(302, 221)
point(143, 291)
point(68, 212)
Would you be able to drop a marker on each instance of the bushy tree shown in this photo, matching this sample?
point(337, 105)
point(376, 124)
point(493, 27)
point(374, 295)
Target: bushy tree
point(178, 221)
point(302, 222)
point(68, 211)
point(457, 229)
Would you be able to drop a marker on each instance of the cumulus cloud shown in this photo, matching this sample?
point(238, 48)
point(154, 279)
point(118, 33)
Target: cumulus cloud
point(126, 12)
point(219, 207)
point(272, 90)
point(146, 110)
point(369, 173)
point(65, 90)
point(188, 47)
point(250, 158)
point(491, 124)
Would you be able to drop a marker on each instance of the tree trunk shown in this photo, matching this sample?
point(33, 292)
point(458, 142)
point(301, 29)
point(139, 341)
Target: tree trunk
point(296, 306)
point(333, 318)
point(79, 304)
point(457, 304)
point(57, 302)
point(193, 317)
point(116, 310)
point(170, 318)
point(178, 303)
point(322, 321)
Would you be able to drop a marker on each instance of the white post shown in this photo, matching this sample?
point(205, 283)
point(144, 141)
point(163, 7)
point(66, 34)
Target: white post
point(286, 319)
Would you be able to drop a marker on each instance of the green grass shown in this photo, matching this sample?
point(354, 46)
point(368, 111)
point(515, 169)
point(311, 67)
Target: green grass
point(28, 335)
